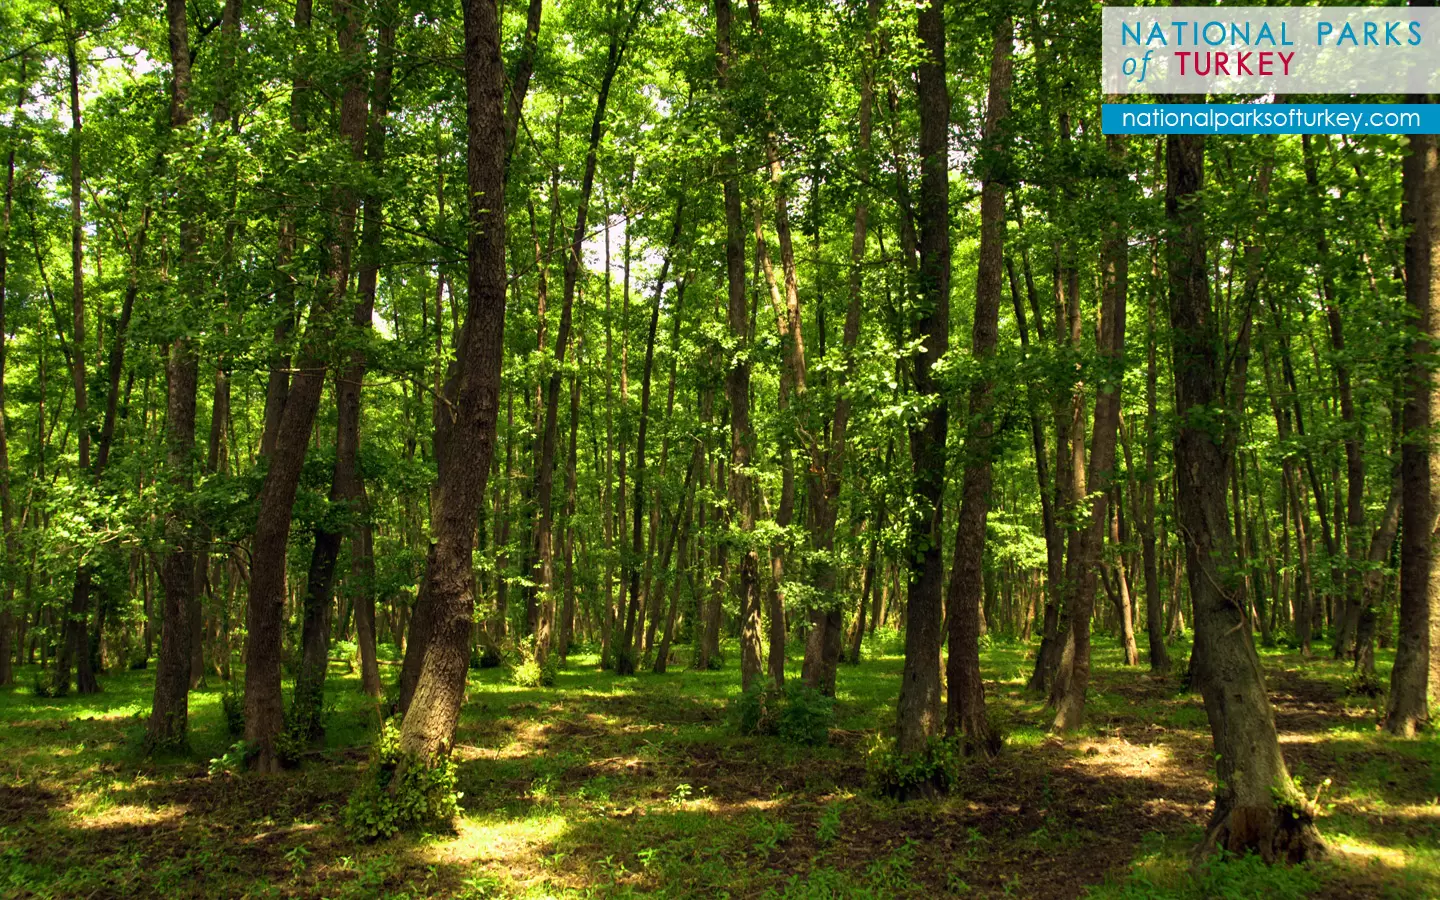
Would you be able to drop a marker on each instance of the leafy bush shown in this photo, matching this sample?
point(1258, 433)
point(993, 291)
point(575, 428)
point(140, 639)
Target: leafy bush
point(486, 657)
point(44, 687)
point(1228, 875)
point(934, 770)
point(1365, 684)
point(401, 792)
point(233, 760)
point(797, 715)
point(233, 705)
point(529, 673)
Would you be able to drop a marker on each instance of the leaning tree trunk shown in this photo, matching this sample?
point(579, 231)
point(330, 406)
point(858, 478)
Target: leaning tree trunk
point(467, 430)
point(1408, 708)
point(264, 704)
point(346, 488)
point(1257, 806)
point(169, 714)
point(918, 708)
point(362, 535)
point(965, 708)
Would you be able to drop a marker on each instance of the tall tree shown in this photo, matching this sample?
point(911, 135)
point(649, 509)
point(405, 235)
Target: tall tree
point(1408, 708)
point(919, 703)
point(1257, 806)
point(169, 713)
point(965, 709)
point(472, 393)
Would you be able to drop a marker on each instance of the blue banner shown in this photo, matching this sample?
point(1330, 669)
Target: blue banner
point(1270, 118)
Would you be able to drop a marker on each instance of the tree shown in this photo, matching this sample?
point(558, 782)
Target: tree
point(965, 711)
point(1257, 806)
point(919, 703)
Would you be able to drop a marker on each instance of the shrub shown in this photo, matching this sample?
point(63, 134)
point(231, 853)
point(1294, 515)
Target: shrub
point(486, 657)
point(1365, 684)
point(934, 770)
point(806, 716)
point(233, 705)
point(44, 687)
point(529, 673)
point(797, 715)
point(401, 793)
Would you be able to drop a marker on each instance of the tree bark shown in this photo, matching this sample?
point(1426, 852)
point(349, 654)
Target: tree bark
point(472, 402)
point(169, 714)
point(919, 702)
point(1087, 544)
point(1408, 709)
point(1257, 806)
point(965, 709)
point(737, 379)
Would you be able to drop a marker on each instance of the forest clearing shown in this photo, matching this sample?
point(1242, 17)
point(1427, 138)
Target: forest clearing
point(608, 787)
point(612, 447)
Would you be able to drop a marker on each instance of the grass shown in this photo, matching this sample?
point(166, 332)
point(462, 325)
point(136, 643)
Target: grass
point(604, 786)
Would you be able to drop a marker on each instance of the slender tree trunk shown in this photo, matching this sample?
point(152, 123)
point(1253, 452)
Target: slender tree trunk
point(347, 489)
point(737, 379)
point(965, 709)
point(1257, 806)
point(919, 702)
point(625, 661)
point(472, 391)
point(1382, 542)
point(1408, 709)
point(1087, 544)
point(7, 518)
point(545, 473)
point(168, 717)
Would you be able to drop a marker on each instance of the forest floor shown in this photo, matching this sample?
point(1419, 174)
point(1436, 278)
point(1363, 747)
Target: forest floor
point(617, 787)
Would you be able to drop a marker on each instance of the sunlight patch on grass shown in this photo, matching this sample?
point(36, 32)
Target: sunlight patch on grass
point(124, 815)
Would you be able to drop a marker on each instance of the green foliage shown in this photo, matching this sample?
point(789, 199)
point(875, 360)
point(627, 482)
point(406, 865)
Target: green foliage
point(828, 829)
point(400, 792)
point(530, 673)
point(934, 770)
point(798, 714)
point(233, 760)
point(232, 704)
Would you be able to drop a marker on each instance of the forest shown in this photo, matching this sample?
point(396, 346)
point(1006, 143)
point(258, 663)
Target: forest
point(623, 448)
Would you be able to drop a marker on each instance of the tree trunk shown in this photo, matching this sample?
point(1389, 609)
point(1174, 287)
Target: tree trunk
point(1087, 544)
point(1257, 806)
point(1408, 708)
point(965, 709)
point(625, 660)
point(7, 519)
point(918, 707)
point(347, 490)
point(169, 714)
point(737, 379)
point(545, 472)
point(264, 716)
point(472, 392)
